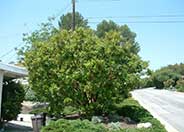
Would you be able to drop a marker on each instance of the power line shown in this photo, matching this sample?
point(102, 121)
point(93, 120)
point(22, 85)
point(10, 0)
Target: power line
point(101, 0)
point(7, 53)
point(9, 36)
point(13, 49)
point(63, 10)
point(140, 16)
point(10, 51)
point(152, 22)
point(10, 58)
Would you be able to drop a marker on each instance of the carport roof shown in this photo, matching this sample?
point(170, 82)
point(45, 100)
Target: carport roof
point(13, 71)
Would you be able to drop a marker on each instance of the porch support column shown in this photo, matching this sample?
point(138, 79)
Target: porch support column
point(1, 90)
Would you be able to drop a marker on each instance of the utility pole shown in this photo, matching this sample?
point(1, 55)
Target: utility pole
point(73, 15)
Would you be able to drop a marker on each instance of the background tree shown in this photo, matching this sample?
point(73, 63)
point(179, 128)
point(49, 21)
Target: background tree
point(180, 85)
point(85, 71)
point(169, 83)
point(127, 35)
point(66, 21)
point(46, 30)
point(162, 75)
point(105, 27)
point(168, 76)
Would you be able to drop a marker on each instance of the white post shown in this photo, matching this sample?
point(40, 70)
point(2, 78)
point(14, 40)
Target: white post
point(1, 89)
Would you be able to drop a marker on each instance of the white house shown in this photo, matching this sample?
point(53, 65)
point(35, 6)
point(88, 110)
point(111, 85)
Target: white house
point(10, 71)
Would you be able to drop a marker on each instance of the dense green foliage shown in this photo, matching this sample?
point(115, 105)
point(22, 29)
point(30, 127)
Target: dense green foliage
point(13, 96)
point(41, 35)
point(87, 126)
point(168, 77)
point(163, 75)
point(80, 69)
point(145, 82)
point(106, 26)
point(37, 111)
point(127, 35)
point(67, 110)
point(180, 85)
point(29, 94)
point(73, 126)
point(129, 108)
point(66, 21)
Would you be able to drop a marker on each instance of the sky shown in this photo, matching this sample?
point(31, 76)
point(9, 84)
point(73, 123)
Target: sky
point(161, 43)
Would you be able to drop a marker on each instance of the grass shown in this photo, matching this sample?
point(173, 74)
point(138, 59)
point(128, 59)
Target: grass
point(131, 108)
point(128, 108)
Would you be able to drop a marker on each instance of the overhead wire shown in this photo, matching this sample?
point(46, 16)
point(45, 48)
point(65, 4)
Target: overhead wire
point(63, 10)
point(13, 49)
point(10, 51)
point(151, 22)
point(118, 17)
point(140, 16)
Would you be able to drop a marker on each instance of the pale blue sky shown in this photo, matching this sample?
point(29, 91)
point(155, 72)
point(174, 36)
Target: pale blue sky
point(161, 43)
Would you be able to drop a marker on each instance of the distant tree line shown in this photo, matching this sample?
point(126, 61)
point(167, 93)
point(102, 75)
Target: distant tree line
point(169, 77)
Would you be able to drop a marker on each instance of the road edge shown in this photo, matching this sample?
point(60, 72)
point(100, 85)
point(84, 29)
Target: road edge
point(167, 126)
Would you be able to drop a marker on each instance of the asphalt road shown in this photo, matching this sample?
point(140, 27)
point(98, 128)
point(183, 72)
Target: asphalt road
point(166, 106)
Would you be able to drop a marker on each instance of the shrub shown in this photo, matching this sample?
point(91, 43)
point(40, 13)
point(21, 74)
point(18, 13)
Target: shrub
point(167, 76)
point(131, 108)
point(29, 94)
point(180, 85)
point(73, 126)
point(82, 70)
point(115, 126)
point(97, 119)
point(146, 82)
point(169, 83)
point(13, 96)
point(163, 75)
point(69, 110)
point(136, 113)
point(38, 111)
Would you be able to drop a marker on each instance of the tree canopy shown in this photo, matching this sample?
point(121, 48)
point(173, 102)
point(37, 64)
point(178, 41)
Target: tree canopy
point(82, 70)
point(106, 26)
point(66, 21)
point(126, 34)
point(167, 77)
point(87, 69)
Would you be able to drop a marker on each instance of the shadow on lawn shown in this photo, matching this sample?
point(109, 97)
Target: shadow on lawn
point(135, 112)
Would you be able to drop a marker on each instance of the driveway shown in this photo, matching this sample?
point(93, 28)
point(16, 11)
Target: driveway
point(166, 106)
point(15, 126)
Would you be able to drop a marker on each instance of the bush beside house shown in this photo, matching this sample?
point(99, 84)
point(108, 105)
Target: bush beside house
point(12, 97)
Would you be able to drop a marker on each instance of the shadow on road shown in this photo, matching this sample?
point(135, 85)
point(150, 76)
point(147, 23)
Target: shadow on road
point(10, 127)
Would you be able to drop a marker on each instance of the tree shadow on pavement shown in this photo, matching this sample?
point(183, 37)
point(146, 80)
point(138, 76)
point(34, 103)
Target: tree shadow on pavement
point(10, 127)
